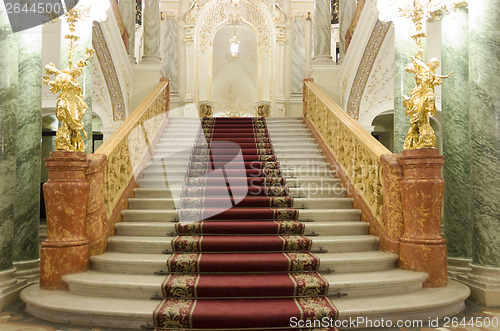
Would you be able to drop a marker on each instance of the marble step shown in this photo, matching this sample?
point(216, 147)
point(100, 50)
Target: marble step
point(288, 130)
point(292, 151)
point(303, 159)
point(182, 126)
point(136, 263)
point(168, 163)
point(291, 148)
point(425, 304)
point(306, 215)
point(275, 139)
point(300, 203)
point(176, 139)
point(286, 173)
point(100, 284)
point(158, 245)
point(154, 179)
point(276, 134)
point(294, 128)
point(311, 228)
point(310, 193)
point(270, 120)
point(69, 307)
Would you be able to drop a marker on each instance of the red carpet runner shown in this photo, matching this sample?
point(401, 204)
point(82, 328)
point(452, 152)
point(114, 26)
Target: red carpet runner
point(247, 266)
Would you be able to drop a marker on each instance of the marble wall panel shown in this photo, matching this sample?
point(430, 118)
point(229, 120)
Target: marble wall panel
point(404, 49)
point(456, 138)
point(170, 52)
point(28, 145)
point(8, 134)
point(298, 54)
point(484, 116)
point(322, 28)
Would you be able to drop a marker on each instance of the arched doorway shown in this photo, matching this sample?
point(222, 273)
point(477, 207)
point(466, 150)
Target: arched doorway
point(235, 80)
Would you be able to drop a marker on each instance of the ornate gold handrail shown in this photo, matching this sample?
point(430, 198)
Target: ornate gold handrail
point(355, 150)
point(130, 143)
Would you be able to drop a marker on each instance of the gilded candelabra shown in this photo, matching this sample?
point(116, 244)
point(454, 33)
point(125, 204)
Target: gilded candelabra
point(70, 106)
point(422, 100)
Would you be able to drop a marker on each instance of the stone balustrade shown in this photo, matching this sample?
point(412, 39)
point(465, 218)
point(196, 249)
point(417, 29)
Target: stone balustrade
point(86, 193)
point(400, 196)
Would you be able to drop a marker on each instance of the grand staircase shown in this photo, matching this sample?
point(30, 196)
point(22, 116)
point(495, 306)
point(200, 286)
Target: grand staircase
point(124, 286)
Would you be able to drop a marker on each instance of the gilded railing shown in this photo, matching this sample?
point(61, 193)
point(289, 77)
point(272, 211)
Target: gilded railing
point(128, 147)
point(355, 150)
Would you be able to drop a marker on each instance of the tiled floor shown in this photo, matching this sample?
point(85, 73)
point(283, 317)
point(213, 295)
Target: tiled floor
point(15, 318)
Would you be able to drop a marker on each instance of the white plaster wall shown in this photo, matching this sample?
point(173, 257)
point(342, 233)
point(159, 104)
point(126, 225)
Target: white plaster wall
point(378, 96)
point(120, 58)
point(352, 58)
point(51, 37)
point(235, 81)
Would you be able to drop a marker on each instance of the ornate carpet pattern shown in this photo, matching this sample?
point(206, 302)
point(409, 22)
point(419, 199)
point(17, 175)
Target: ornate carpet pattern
point(240, 260)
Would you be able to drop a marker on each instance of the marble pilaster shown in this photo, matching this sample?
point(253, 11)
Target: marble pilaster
point(8, 135)
point(456, 138)
point(484, 23)
point(84, 31)
point(152, 26)
point(28, 147)
point(9, 285)
point(308, 30)
point(404, 49)
point(298, 54)
point(346, 13)
point(170, 51)
point(189, 62)
point(322, 31)
point(127, 10)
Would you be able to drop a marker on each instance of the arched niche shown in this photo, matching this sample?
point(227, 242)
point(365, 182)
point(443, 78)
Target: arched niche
point(235, 80)
point(217, 14)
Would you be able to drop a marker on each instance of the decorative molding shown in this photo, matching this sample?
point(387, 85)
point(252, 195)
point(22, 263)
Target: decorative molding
point(165, 15)
point(217, 13)
point(279, 16)
point(99, 95)
point(280, 34)
point(354, 23)
point(379, 88)
point(370, 54)
point(305, 15)
point(109, 72)
point(121, 25)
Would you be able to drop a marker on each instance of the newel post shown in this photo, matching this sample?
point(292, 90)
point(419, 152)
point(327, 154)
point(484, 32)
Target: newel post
point(97, 228)
point(422, 246)
point(392, 209)
point(66, 249)
point(304, 94)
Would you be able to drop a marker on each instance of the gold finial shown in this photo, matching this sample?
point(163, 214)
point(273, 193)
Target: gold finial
point(70, 106)
point(422, 100)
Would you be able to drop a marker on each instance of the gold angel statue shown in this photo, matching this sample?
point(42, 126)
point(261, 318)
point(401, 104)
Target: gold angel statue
point(70, 106)
point(422, 100)
point(421, 103)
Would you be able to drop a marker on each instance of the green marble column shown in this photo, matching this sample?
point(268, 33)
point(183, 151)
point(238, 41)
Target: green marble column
point(8, 130)
point(404, 49)
point(484, 82)
point(28, 146)
point(84, 31)
point(456, 139)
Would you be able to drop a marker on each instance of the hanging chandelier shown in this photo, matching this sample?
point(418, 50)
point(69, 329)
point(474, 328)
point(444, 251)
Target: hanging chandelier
point(235, 44)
